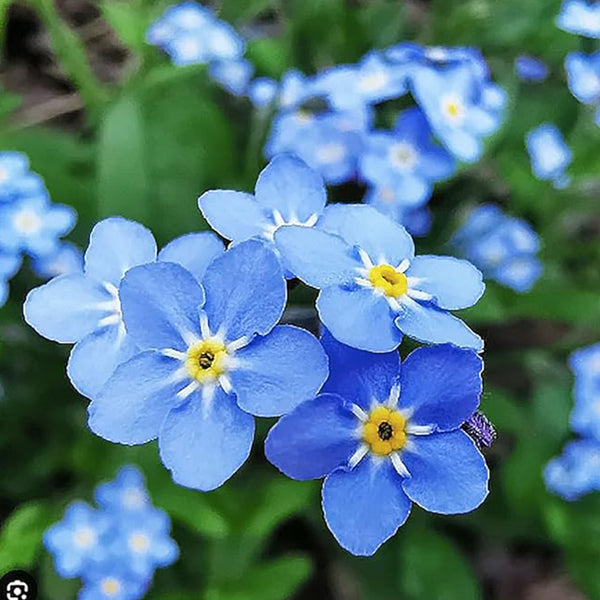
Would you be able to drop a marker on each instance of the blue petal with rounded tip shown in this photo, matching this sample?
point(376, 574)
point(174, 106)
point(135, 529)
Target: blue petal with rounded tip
point(314, 439)
point(161, 304)
point(194, 252)
point(117, 245)
point(441, 385)
point(359, 318)
point(365, 507)
point(364, 226)
point(454, 283)
point(448, 474)
point(204, 442)
point(279, 371)
point(245, 291)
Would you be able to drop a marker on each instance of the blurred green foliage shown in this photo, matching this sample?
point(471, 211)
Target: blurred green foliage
point(150, 144)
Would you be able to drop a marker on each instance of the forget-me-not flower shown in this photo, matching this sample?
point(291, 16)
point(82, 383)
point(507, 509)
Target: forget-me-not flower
point(372, 287)
point(111, 580)
point(531, 69)
point(126, 493)
point(384, 436)
point(9, 265)
point(262, 91)
point(550, 155)
point(67, 259)
point(585, 417)
point(233, 75)
point(405, 161)
point(16, 179)
point(583, 74)
point(210, 358)
point(580, 17)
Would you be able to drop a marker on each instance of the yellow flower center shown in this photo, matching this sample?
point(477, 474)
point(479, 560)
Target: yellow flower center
point(385, 431)
point(206, 360)
point(453, 108)
point(139, 543)
point(111, 586)
point(386, 278)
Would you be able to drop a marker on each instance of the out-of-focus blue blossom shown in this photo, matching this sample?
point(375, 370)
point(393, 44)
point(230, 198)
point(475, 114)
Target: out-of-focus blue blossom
point(384, 437)
point(114, 549)
point(263, 91)
point(16, 179)
point(550, 156)
point(67, 259)
point(372, 287)
point(583, 74)
point(503, 248)
point(210, 358)
point(585, 417)
point(580, 17)
point(531, 69)
point(9, 265)
point(405, 160)
point(233, 75)
point(191, 34)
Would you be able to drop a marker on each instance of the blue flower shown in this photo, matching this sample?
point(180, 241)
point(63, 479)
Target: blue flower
point(583, 74)
point(384, 437)
point(576, 472)
point(502, 247)
point(550, 155)
point(233, 75)
point(453, 102)
point(263, 91)
point(373, 288)
point(126, 493)
point(16, 179)
point(111, 580)
point(67, 259)
point(531, 69)
point(33, 224)
point(580, 17)
point(191, 34)
point(287, 193)
point(585, 417)
point(9, 265)
point(77, 540)
point(209, 358)
point(405, 160)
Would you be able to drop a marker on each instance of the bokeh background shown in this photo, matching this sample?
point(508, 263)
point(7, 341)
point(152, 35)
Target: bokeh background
point(114, 128)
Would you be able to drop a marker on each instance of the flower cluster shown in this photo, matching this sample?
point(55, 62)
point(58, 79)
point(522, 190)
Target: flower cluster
point(116, 547)
point(30, 224)
point(577, 471)
point(503, 248)
point(184, 346)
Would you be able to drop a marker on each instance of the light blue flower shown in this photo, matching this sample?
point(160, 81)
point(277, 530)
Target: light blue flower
point(372, 287)
point(405, 161)
point(454, 103)
point(384, 437)
point(585, 417)
point(576, 472)
point(502, 247)
point(583, 74)
point(287, 193)
point(77, 540)
point(112, 580)
point(32, 224)
point(210, 357)
point(580, 17)
point(9, 265)
point(67, 259)
point(550, 155)
point(233, 75)
point(531, 69)
point(126, 493)
point(15, 177)
point(263, 91)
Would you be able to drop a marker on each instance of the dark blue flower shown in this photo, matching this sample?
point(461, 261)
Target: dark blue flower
point(373, 288)
point(530, 68)
point(209, 358)
point(384, 437)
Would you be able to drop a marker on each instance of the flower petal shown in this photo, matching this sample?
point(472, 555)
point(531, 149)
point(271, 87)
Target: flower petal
point(291, 187)
point(235, 215)
point(318, 258)
point(135, 401)
point(365, 507)
point(67, 308)
point(203, 443)
point(94, 358)
point(359, 225)
point(160, 304)
point(358, 376)
point(314, 439)
point(431, 325)
point(279, 371)
point(442, 385)
point(448, 474)
point(117, 245)
point(245, 291)
point(359, 318)
point(194, 252)
point(454, 283)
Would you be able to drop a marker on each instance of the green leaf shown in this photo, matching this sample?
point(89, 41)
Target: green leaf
point(123, 183)
point(432, 568)
point(21, 536)
point(128, 20)
point(274, 580)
